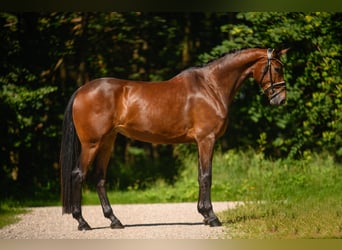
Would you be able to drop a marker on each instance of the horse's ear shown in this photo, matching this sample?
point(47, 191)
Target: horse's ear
point(282, 52)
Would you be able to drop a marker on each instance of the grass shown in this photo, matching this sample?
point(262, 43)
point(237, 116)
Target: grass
point(9, 213)
point(303, 219)
point(289, 199)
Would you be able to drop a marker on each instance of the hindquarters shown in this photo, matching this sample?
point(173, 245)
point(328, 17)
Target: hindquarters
point(87, 121)
point(94, 110)
point(88, 137)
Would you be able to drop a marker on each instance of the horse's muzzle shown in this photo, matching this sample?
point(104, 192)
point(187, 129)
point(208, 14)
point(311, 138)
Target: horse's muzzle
point(278, 100)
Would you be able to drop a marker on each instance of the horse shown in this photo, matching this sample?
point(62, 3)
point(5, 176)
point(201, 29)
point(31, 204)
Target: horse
point(191, 107)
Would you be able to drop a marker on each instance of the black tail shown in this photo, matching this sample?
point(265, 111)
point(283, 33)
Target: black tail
point(69, 155)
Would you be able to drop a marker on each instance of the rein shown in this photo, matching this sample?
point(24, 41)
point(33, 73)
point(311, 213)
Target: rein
point(273, 84)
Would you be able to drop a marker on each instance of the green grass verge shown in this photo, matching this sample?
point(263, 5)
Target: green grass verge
point(288, 199)
point(301, 219)
point(9, 213)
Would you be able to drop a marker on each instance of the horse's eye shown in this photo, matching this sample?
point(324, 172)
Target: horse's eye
point(278, 70)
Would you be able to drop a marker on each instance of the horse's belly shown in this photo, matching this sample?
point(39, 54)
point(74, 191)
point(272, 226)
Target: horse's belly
point(158, 136)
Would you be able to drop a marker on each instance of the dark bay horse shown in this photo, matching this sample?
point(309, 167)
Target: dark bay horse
point(191, 107)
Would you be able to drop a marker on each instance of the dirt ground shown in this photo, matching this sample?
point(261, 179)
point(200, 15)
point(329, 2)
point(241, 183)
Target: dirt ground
point(141, 221)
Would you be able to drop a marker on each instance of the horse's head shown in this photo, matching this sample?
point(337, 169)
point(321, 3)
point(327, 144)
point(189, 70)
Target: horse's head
point(269, 74)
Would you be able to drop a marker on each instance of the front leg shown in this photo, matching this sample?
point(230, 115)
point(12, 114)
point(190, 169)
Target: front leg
point(204, 206)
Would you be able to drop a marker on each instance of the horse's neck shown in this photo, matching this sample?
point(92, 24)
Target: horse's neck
point(231, 71)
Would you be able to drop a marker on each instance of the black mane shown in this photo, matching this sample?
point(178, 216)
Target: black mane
point(230, 52)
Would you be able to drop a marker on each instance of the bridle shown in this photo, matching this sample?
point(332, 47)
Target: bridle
point(273, 84)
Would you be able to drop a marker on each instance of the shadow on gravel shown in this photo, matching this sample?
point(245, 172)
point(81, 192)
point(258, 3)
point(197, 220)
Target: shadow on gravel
point(156, 225)
point(166, 224)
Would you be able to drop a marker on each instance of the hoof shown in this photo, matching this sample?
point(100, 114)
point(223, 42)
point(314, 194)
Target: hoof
point(212, 222)
point(116, 225)
point(84, 227)
point(215, 223)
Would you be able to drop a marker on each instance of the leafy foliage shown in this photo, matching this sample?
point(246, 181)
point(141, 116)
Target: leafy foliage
point(311, 119)
point(47, 56)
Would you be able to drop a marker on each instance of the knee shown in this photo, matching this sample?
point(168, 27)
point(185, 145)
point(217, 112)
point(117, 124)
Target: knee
point(204, 180)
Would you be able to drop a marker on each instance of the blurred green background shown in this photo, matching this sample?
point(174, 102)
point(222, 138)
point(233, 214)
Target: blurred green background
point(45, 57)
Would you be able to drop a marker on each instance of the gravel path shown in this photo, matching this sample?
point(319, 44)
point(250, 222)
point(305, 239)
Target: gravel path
point(142, 221)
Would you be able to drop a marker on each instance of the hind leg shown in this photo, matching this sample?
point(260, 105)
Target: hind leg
point(78, 176)
point(102, 160)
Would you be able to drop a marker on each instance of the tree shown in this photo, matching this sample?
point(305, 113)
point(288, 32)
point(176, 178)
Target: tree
point(25, 107)
point(47, 56)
